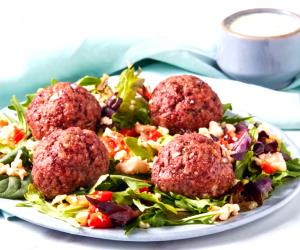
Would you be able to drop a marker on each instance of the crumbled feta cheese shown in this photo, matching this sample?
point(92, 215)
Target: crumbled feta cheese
point(5, 133)
point(153, 144)
point(204, 131)
point(134, 165)
point(82, 217)
point(226, 211)
point(58, 199)
point(229, 127)
point(106, 121)
point(15, 168)
point(120, 155)
point(163, 131)
point(144, 225)
point(139, 128)
point(215, 129)
point(275, 160)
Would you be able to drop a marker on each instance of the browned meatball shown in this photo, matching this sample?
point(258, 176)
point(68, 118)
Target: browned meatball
point(62, 106)
point(68, 159)
point(192, 165)
point(184, 104)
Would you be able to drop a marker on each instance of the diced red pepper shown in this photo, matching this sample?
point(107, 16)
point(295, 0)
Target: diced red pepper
point(3, 123)
point(93, 209)
point(16, 136)
point(99, 220)
point(19, 135)
point(144, 189)
point(153, 135)
point(129, 132)
point(102, 195)
point(145, 92)
point(267, 168)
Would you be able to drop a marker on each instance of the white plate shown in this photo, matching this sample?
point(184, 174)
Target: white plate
point(281, 196)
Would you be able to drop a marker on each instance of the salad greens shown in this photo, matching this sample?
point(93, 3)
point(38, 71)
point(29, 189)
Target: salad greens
point(134, 198)
point(134, 108)
point(157, 208)
point(20, 110)
point(12, 187)
point(35, 199)
point(232, 119)
point(144, 152)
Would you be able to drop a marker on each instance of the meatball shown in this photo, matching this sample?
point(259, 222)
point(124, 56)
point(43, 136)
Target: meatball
point(184, 104)
point(68, 159)
point(193, 165)
point(62, 106)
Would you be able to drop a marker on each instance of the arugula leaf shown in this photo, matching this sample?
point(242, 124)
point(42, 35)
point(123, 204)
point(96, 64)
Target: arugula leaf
point(293, 165)
point(241, 166)
point(12, 187)
point(156, 218)
point(53, 81)
point(234, 119)
point(89, 80)
point(28, 100)
point(226, 107)
point(133, 108)
point(284, 149)
point(133, 183)
point(144, 152)
point(35, 199)
point(21, 114)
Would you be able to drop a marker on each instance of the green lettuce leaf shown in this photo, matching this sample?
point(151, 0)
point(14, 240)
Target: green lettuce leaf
point(241, 166)
point(138, 150)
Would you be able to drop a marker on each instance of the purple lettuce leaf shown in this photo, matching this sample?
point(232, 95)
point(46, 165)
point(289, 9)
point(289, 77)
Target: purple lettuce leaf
point(120, 215)
point(241, 147)
point(241, 127)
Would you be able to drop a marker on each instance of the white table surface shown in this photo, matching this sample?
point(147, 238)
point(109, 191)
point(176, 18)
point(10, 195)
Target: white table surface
point(278, 230)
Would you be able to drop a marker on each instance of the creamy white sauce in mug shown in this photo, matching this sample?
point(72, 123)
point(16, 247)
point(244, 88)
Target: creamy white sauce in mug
point(265, 24)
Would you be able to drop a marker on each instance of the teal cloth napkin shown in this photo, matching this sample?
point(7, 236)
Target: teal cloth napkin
point(96, 56)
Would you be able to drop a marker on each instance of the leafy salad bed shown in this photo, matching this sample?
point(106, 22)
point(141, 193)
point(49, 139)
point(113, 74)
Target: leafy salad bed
point(126, 197)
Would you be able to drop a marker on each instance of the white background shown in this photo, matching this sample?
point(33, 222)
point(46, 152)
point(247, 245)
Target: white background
point(48, 25)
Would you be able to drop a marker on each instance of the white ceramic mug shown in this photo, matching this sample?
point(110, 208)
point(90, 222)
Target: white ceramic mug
point(272, 60)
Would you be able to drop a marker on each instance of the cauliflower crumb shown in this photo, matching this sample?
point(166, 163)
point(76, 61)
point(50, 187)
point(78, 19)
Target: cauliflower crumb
point(134, 165)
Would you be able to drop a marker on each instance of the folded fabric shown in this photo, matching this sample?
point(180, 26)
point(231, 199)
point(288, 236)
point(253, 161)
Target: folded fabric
point(36, 66)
